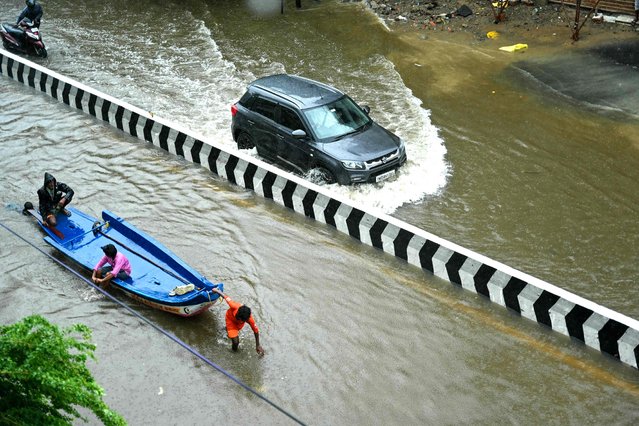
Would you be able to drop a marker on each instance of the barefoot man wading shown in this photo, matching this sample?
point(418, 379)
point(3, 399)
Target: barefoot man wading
point(236, 316)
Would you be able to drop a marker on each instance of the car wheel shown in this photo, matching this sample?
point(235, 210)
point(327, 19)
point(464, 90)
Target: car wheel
point(244, 141)
point(321, 176)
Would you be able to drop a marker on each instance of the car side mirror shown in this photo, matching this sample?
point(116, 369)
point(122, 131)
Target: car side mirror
point(366, 109)
point(299, 133)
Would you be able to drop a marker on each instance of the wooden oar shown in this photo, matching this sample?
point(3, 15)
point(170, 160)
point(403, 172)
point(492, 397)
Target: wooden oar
point(55, 230)
point(28, 208)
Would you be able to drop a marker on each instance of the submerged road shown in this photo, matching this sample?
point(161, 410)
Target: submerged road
point(352, 335)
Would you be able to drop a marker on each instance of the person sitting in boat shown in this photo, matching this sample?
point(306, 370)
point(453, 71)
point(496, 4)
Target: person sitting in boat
point(32, 11)
point(112, 264)
point(53, 197)
point(236, 316)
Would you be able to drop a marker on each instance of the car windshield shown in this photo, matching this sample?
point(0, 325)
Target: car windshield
point(336, 119)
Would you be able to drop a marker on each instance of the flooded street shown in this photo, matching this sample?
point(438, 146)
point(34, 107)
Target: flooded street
point(504, 159)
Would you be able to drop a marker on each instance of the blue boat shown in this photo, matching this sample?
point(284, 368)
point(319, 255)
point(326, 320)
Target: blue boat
point(159, 278)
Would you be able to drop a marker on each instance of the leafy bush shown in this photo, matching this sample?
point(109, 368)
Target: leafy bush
point(43, 375)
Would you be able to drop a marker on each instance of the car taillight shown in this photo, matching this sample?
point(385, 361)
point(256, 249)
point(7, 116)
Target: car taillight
point(233, 110)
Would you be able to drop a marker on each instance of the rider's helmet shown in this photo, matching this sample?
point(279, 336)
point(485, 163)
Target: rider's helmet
point(30, 3)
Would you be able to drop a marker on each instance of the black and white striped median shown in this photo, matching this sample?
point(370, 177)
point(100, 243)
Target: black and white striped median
point(598, 327)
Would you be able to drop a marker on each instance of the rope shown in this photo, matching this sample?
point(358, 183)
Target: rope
point(161, 330)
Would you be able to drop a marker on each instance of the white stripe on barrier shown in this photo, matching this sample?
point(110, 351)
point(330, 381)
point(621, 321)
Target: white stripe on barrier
point(496, 286)
point(527, 298)
point(467, 274)
point(365, 225)
point(388, 238)
point(341, 217)
point(558, 314)
point(440, 259)
point(591, 328)
point(414, 248)
point(628, 344)
point(298, 198)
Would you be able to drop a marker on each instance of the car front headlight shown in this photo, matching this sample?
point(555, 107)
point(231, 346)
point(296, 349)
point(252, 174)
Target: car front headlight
point(354, 165)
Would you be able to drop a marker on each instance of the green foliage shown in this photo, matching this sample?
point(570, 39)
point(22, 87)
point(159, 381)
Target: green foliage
point(43, 375)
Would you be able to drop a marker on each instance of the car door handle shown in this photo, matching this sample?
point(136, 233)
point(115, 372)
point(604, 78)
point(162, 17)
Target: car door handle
point(280, 137)
point(251, 122)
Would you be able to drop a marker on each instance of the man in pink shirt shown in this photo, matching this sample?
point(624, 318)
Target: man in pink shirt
point(118, 266)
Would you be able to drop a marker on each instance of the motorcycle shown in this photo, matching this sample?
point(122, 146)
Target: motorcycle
point(24, 38)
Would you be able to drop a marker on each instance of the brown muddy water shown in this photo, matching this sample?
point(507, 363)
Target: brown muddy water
point(506, 157)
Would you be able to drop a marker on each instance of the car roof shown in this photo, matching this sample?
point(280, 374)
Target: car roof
point(303, 92)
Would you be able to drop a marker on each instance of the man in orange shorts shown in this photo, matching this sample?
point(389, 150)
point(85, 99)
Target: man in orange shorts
point(236, 316)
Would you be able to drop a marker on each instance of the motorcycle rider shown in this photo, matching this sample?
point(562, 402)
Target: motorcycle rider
point(32, 11)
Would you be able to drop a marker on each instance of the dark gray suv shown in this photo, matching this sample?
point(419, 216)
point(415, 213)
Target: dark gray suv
point(316, 130)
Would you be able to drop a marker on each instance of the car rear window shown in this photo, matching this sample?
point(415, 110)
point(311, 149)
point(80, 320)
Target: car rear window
point(264, 107)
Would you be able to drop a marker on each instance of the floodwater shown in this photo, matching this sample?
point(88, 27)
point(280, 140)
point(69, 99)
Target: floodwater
point(505, 158)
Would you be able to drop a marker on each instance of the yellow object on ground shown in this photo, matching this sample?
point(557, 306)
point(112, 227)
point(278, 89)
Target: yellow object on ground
point(501, 3)
point(514, 47)
point(492, 34)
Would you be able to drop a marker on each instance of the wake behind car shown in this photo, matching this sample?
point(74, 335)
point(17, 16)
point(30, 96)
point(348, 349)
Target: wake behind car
point(313, 128)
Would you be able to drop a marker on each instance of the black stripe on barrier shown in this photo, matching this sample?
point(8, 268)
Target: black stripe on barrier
point(148, 126)
point(609, 336)
point(249, 175)
point(352, 222)
point(54, 87)
point(376, 233)
point(287, 194)
point(92, 101)
point(164, 137)
point(267, 184)
point(20, 72)
point(195, 151)
point(119, 113)
point(575, 320)
point(10, 67)
point(511, 291)
point(230, 166)
point(542, 307)
point(43, 82)
point(78, 99)
point(400, 245)
point(212, 160)
point(308, 202)
point(481, 278)
point(330, 211)
point(106, 106)
point(133, 124)
point(66, 89)
point(453, 265)
point(31, 77)
point(426, 254)
point(179, 144)
point(1, 62)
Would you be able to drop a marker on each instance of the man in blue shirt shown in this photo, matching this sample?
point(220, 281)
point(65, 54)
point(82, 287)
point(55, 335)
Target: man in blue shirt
point(33, 11)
